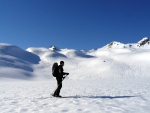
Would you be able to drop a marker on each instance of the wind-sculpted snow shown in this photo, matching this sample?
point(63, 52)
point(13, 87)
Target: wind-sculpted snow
point(16, 62)
point(6, 49)
point(66, 53)
point(71, 53)
point(45, 53)
point(12, 63)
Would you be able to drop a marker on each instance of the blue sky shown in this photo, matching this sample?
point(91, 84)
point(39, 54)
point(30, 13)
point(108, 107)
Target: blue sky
point(77, 24)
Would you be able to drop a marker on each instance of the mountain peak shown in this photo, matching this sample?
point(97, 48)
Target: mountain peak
point(53, 48)
point(115, 44)
point(143, 42)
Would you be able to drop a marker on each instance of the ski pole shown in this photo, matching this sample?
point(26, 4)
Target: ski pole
point(62, 80)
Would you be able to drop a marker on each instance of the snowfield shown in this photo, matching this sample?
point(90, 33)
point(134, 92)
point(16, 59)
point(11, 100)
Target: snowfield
point(112, 79)
point(96, 96)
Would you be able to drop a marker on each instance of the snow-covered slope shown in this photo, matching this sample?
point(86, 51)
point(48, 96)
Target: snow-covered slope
point(16, 62)
point(113, 60)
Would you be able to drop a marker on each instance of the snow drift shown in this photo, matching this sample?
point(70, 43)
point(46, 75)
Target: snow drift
point(6, 49)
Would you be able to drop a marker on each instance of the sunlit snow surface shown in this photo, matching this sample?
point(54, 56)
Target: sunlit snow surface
point(112, 79)
point(88, 96)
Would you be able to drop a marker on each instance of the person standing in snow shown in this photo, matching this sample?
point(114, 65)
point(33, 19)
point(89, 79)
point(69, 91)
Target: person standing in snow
point(59, 79)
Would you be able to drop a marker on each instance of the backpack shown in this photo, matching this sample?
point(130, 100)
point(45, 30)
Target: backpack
point(55, 69)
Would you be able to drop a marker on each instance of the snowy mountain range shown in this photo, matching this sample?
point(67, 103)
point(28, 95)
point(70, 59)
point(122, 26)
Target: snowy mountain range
point(113, 60)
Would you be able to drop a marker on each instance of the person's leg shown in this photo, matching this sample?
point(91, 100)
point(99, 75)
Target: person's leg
point(59, 86)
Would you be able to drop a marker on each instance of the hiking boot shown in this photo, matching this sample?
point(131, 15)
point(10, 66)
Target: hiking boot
point(58, 96)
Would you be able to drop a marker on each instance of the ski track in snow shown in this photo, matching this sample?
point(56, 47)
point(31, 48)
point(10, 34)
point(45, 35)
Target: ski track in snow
point(84, 96)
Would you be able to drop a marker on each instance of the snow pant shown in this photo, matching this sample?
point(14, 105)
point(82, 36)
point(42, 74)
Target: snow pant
point(59, 86)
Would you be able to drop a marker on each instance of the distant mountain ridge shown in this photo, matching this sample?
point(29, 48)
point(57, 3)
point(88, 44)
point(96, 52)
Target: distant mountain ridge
point(145, 42)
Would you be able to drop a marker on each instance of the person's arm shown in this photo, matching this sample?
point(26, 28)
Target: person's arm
point(61, 71)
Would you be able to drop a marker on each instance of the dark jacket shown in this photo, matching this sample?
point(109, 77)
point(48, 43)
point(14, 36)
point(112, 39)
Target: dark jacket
point(61, 71)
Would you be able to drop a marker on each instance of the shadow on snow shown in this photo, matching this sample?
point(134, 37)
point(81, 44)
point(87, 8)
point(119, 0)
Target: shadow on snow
point(102, 97)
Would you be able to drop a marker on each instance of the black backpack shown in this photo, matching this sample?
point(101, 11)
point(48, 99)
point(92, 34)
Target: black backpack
point(55, 69)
